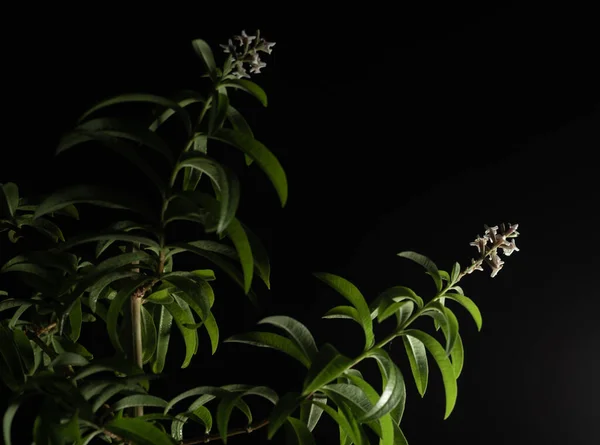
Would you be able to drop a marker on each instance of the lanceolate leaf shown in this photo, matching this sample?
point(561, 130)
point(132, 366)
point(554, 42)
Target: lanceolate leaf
point(353, 295)
point(205, 53)
point(263, 157)
point(138, 400)
point(149, 336)
point(91, 194)
point(444, 364)
point(469, 305)
point(299, 333)
point(115, 236)
point(347, 312)
point(287, 404)
point(182, 316)
point(9, 200)
point(11, 369)
point(417, 357)
point(261, 258)
point(270, 340)
point(249, 87)
point(144, 98)
point(301, 431)
point(327, 366)
point(393, 391)
point(139, 432)
point(164, 320)
point(427, 264)
point(458, 356)
point(192, 293)
point(224, 180)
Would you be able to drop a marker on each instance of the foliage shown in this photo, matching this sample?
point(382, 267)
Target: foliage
point(126, 277)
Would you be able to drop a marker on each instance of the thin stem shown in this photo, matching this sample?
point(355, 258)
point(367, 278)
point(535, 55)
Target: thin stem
point(233, 432)
point(136, 331)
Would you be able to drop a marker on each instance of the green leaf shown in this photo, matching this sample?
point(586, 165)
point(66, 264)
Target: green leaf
point(25, 351)
point(138, 431)
point(311, 413)
point(452, 332)
point(101, 287)
point(237, 233)
point(117, 128)
point(393, 391)
point(92, 194)
point(353, 295)
point(238, 122)
point(223, 178)
point(301, 432)
point(149, 336)
point(115, 309)
point(469, 305)
point(457, 356)
point(261, 258)
point(270, 340)
point(417, 356)
point(75, 320)
point(144, 98)
point(138, 400)
point(327, 366)
point(185, 98)
point(347, 312)
point(286, 405)
point(69, 359)
point(299, 334)
point(162, 296)
point(9, 200)
point(182, 315)
point(427, 264)
point(11, 369)
point(114, 236)
point(259, 153)
point(444, 364)
point(164, 320)
point(249, 87)
point(205, 53)
point(352, 395)
point(347, 424)
point(455, 273)
point(193, 291)
point(218, 112)
point(395, 294)
point(8, 417)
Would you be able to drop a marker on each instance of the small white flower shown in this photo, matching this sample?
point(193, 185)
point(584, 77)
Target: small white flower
point(477, 265)
point(495, 263)
point(256, 67)
point(480, 243)
point(509, 247)
point(266, 47)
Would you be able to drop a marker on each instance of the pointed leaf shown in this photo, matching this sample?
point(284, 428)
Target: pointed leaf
point(163, 324)
point(148, 335)
point(139, 432)
point(287, 404)
point(444, 364)
point(25, 351)
point(299, 333)
point(270, 340)
point(457, 356)
point(9, 200)
point(249, 87)
point(301, 432)
point(347, 312)
point(417, 357)
point(263, 157)
point(427, 264)
point(327, 366)
point(144, 98)
point(205, 53)
point(69, 359)
point(182, 316)
point(353, 295)
point(311, 413)
point(138, 400)
point(469, 305)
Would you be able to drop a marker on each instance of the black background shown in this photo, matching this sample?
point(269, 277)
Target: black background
point(400, 128)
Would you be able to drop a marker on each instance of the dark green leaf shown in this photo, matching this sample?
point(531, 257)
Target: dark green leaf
point(286, 405)
point(138, 400)
point(138, 431)
point(469, 305)
point(75, 320)
point(164, 320)
point(327, 366)
point(182, 315)
point(395, 294)
point(263, 157)
point(444, 364)
point(115, 236)
point(301, 432)
point(149, 336)
point(427, 264)
point(299, 333)
point(347, 312)
point(91, 194)
point(270, 340)
point(261, 258)
point(224, 180)
point(249, 87)
point(144, 98)
point(205, 53)
point(417, 356)
point(11, 369)
point(192, 292)
point(9, 200)
point(238, 122)
point(69, 359)
point(458, 356)
point(219, 111)
point(353, 295)
point(25, 351)
point(311, 413)
point(393, 391)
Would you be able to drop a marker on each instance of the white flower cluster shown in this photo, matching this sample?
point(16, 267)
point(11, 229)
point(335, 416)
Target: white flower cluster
point(494, 238)
point(244, 49)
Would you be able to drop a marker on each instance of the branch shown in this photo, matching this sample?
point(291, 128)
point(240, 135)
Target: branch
point(234, 432)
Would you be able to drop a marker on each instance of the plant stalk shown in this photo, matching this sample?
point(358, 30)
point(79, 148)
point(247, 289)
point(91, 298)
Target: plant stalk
point(136, 334)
